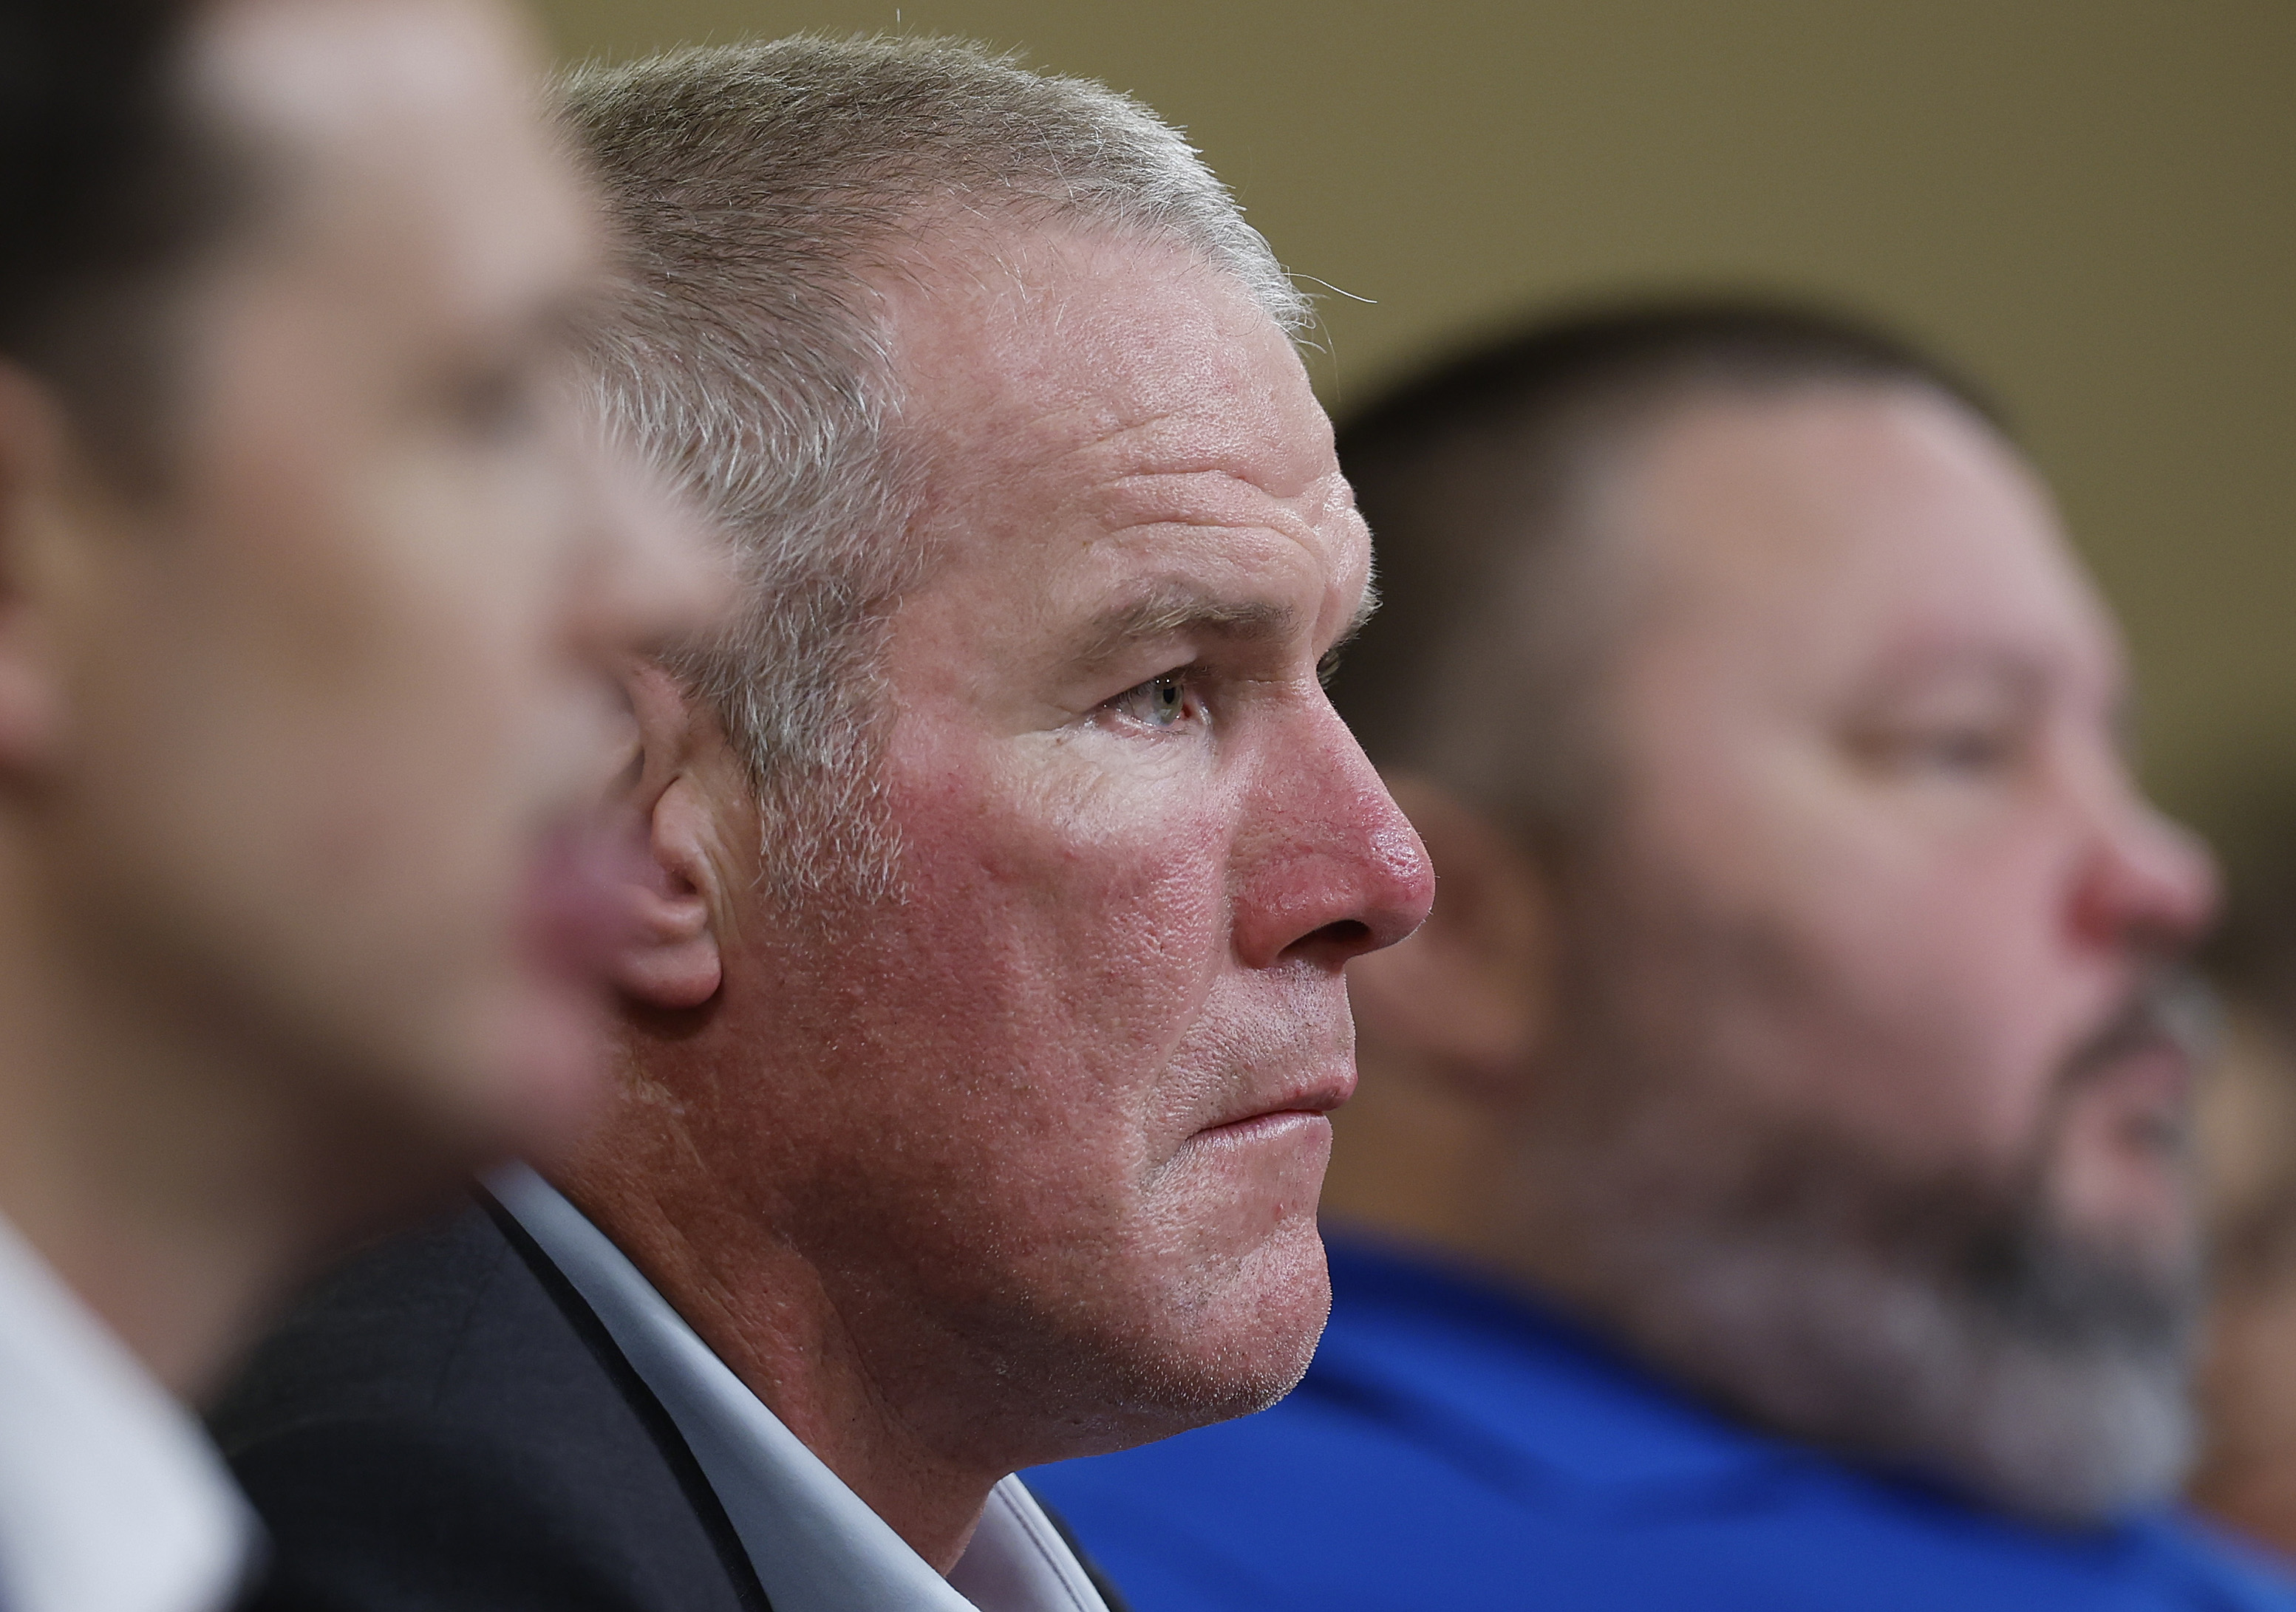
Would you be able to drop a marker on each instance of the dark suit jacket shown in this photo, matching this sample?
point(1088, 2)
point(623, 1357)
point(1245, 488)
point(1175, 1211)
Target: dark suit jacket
point(444, 1426)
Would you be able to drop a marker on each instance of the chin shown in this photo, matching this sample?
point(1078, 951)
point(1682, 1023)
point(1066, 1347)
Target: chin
point(544, 1091)
point(1245, 1343)
point(520, 1074)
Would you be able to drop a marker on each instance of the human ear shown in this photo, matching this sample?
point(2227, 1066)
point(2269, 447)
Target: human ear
point(668, 957)
point(34, 508)
point(1469, 997)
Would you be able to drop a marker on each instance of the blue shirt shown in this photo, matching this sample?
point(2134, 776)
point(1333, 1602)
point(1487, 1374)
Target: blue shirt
point(1455, 1447)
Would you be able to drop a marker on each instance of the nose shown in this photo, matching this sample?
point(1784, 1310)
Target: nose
point(1335, 869)
point(2147, 881)
point(655, 576)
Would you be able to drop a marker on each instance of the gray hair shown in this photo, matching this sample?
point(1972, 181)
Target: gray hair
point(755, 186)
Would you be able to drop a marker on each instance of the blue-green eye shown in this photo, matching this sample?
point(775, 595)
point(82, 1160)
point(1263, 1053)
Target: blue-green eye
point(1160, 702)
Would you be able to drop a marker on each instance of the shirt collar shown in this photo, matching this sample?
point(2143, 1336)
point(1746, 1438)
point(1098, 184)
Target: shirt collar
point(111, 1499)
point(816, 1545)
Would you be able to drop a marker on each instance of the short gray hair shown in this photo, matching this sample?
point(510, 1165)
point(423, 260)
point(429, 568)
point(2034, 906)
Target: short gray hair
point(755, 186)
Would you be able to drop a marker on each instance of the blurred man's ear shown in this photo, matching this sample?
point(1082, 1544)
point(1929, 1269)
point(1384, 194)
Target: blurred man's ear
point(1467, 1000)
point(669, 958)
point(36, 511)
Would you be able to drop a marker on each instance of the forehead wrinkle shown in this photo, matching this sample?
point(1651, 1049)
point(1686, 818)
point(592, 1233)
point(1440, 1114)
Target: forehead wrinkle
point(1136, 439)
point(1219, 500)
point(1233, 436)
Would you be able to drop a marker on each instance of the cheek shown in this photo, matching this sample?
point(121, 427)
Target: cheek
point(1962, 1040)
point(421, 722)
point(395, 706)
point(1917, 981)
point(1056, 948)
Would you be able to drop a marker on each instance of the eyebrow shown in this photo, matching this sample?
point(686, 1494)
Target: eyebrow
point(1170, 608)
point(1179, 607)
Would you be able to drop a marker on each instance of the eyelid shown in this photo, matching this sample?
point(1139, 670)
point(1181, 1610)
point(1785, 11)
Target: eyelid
point(1182, 670)
point(1192, 698)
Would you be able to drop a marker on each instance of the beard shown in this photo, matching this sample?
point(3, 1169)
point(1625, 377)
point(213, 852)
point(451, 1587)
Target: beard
point(1944, 1323)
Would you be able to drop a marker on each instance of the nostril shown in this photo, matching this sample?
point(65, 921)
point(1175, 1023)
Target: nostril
point(1349, 935)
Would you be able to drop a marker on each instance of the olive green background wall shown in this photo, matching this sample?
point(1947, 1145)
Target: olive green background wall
point(2091, 204)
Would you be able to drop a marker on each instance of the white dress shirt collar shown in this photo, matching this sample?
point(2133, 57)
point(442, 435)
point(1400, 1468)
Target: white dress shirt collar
point(112, 1498)
point(817, 1545)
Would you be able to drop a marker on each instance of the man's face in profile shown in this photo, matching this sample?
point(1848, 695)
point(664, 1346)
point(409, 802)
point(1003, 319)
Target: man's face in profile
point(340, 693)
point(1057, 1115)
point(1898, 887)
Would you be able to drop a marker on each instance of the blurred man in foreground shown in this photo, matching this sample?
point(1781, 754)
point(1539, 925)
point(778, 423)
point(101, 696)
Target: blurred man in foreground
point(1006, 856)
point(1769, 1188)
point(310, 586)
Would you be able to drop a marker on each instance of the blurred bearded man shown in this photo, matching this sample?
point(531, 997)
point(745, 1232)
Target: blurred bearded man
point(1768, 1188)
point(314, 591)
point(987, 999)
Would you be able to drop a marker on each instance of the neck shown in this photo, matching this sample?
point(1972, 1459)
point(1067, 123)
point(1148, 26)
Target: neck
point(772, 1313)
point(149, 1184)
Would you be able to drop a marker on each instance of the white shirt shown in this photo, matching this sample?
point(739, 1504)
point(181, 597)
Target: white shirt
point(112, 1498)
point(815, 1544)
